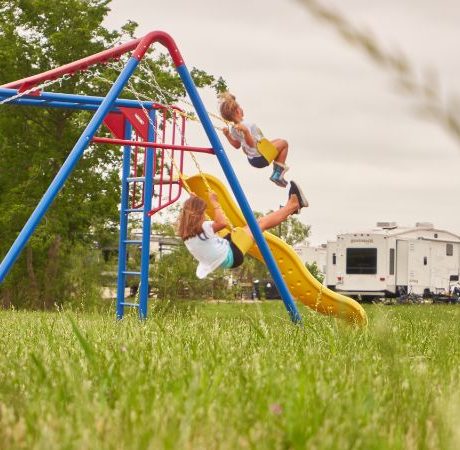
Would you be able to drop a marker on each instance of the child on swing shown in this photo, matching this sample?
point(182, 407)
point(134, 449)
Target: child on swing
point(212, 251)
point(245, 134)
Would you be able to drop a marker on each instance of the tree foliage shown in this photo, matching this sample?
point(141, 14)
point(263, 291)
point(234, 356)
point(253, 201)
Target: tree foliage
point(36, 36)
point(292, 231)
point(314, 270)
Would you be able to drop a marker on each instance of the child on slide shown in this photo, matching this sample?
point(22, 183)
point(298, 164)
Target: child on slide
point(212, 251)
point(245, 134)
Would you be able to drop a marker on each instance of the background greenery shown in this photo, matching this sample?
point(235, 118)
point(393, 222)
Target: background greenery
point(196, 374)
point(36, 36)
point(63, 261)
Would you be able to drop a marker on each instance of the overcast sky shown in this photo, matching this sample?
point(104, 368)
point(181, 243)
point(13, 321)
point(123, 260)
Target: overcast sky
point(356, 147)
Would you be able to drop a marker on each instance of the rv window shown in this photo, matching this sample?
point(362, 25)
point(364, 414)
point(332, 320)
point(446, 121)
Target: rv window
point(392, 261)
point(334, 259)
point(449, 249)
point(425, 260)
point(362, 261)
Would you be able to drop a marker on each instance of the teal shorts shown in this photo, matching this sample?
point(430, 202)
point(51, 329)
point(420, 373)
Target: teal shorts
point(234, 256)
point(228, 263)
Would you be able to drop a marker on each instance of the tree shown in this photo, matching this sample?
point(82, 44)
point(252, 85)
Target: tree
point(314, 270)
point(36, 36)
point(292, 231)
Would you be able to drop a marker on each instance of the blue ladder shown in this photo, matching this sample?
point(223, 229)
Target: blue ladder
point(125, 213)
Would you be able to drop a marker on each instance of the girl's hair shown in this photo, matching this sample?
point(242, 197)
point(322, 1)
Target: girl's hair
point(228, 106)
point(191, 218)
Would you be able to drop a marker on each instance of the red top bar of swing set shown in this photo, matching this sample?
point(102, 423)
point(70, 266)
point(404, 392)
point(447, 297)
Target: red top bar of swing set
point(140, 46)
point(101, 140)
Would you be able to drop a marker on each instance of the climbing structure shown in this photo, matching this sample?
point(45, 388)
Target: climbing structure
point(134, 126)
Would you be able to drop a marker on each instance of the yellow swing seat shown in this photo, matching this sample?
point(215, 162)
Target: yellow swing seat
point(267, 150)
point(242, 239)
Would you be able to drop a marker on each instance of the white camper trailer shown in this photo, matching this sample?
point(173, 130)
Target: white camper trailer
point(391, 261)
point(310, 254)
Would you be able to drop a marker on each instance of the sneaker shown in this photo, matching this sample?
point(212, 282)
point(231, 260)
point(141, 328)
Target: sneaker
point(295, 190)
point(276, 175)
point(276, 178)
point(281, 182)
point(281, 167)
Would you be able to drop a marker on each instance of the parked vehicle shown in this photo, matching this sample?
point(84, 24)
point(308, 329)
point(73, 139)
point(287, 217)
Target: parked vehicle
point(394, 261)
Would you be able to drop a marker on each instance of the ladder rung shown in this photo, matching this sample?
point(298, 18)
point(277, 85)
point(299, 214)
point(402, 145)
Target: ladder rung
point(130, 241)
point(136, 305)
point(138, 210)
point(128, 272)
point(158, 180)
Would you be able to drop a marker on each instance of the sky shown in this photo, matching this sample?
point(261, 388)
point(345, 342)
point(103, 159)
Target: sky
point(356, 146)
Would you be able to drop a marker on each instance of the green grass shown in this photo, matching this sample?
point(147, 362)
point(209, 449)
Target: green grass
point(230, 376)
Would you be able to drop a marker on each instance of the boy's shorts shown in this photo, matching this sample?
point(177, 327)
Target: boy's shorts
point(259, 161)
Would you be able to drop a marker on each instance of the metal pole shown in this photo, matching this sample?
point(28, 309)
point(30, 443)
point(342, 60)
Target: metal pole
point(66, 169)
point(146, 222)
point(58, 99)
point(239, 194)
point(123, 223)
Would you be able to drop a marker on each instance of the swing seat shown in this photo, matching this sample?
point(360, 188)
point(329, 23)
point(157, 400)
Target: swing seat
point(267, 150)
point(242, 240)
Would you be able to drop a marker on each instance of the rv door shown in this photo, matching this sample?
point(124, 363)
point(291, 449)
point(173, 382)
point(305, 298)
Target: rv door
point(402, 263)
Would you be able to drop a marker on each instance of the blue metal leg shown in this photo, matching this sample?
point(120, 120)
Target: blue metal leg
point(146, 223)
point(123, 223)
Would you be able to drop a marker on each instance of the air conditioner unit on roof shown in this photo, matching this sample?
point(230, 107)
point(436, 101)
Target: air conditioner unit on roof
point(387, 225)
point(424, 225)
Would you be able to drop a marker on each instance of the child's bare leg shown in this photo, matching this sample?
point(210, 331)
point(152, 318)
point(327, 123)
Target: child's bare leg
point(276, 217)
point(279, 164)
point(282, 147)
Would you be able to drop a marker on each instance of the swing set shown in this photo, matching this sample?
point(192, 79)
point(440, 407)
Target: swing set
point(149, 181)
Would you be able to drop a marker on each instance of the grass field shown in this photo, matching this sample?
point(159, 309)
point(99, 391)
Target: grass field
point(230, 376)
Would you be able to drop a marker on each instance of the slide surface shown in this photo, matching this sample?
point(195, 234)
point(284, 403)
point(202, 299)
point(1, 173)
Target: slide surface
point(302, 285)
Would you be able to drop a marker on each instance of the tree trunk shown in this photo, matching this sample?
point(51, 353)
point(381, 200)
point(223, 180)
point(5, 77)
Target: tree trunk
point(34, 287)
point(6, 298)
point(51, 273)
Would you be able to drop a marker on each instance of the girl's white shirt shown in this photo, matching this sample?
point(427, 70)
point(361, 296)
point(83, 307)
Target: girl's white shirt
point(208, 248)
point(251, 152)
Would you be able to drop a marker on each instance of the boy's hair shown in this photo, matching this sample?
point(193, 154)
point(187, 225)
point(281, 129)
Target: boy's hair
point(191, 218)
point(228, 106)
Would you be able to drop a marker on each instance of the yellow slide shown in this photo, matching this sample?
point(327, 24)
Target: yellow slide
point(302, 285)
